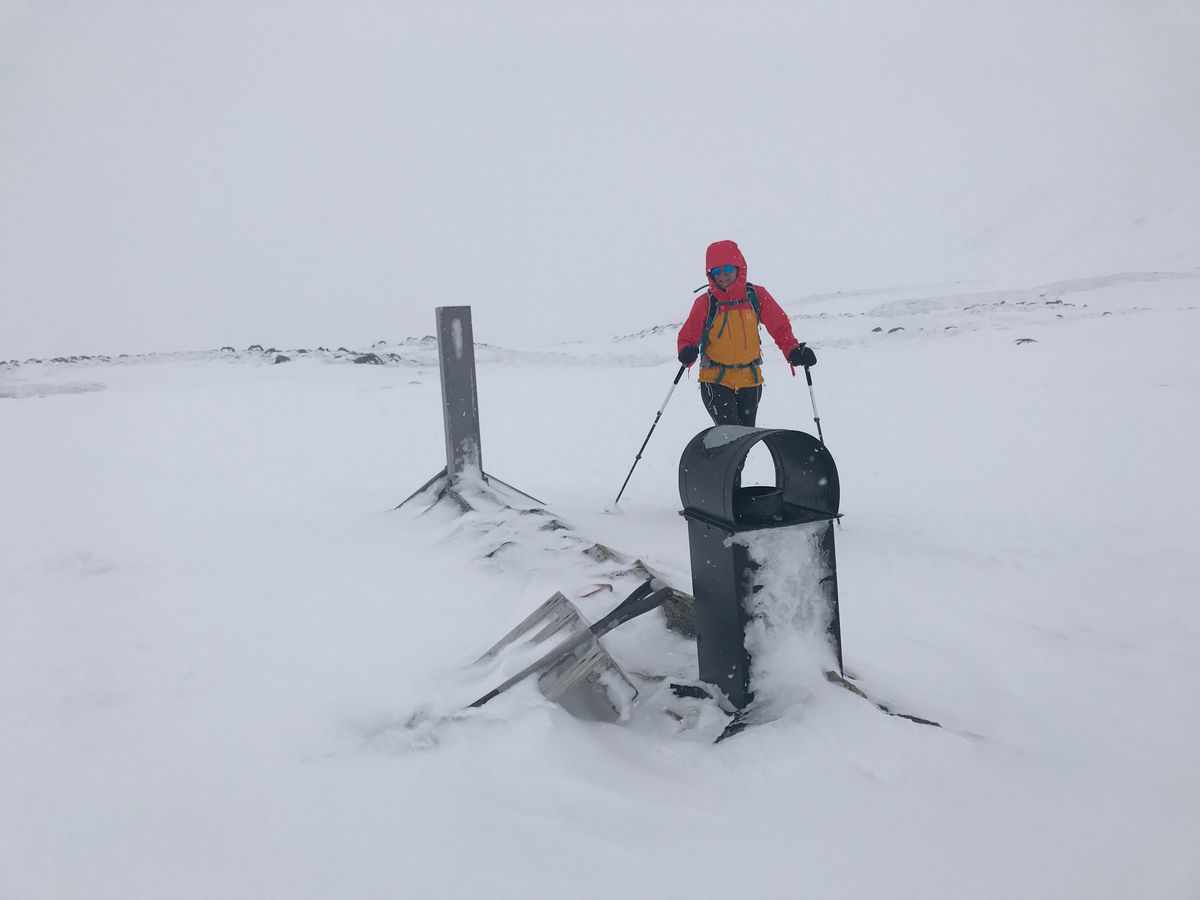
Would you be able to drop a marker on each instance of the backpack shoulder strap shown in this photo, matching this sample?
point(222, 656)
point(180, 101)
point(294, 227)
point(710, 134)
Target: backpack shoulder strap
point(753, 295)
point(708, 321)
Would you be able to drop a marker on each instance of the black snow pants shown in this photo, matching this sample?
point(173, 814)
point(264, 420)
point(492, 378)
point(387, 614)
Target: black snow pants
point(730, 407)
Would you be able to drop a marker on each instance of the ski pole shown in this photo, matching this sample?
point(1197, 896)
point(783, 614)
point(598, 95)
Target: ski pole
point(661, 409)
point(817, 418)
point(813, 397)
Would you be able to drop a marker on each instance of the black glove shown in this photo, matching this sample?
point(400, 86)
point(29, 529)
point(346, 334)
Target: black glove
point(688, 354)
point(802, 356)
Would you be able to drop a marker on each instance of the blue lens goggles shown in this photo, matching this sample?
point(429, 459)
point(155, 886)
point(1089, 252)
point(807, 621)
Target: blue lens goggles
point(722, 270)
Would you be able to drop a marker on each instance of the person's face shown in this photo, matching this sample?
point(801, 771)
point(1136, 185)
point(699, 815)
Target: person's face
point(724, 276)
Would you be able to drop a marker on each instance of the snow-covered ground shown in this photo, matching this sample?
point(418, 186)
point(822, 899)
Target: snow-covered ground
point(214, 623)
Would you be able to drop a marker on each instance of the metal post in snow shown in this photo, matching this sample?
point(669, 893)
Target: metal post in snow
point(460, 413)
point(460, 396)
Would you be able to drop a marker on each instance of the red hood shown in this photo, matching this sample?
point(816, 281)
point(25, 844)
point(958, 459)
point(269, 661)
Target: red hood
point(725, 253)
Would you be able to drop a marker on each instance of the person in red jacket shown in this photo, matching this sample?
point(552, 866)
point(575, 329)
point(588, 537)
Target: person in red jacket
point(722, 331)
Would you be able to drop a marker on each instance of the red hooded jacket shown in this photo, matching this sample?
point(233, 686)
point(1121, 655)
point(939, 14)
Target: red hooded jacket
point(733, 342)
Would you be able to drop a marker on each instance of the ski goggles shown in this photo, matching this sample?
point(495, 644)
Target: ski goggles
point(722, 270)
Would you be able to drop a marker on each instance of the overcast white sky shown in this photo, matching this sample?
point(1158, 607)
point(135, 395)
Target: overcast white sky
point(191, 174)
